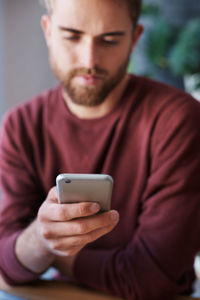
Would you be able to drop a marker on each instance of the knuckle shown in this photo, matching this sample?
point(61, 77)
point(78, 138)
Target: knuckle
point(107, 219)
point(82, 228)
point(56, 245)
point(52, 191)
point(61, 213)
point(96, 234)
point(107, 229)
point(82, 240)
point(83, 209)
point(87, 239)
point(41, 214)
point(91, 237)
point(69, 252)
point(75, 250)
point(77, 242)
point(46, 233)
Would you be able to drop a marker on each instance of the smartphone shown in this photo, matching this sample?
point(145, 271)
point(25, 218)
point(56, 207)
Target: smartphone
point(85, 187)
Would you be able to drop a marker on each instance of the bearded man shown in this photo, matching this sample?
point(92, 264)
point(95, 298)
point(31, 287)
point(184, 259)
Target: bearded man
point(100, 119)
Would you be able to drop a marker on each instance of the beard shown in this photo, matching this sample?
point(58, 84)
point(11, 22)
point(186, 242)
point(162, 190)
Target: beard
point(93, 95)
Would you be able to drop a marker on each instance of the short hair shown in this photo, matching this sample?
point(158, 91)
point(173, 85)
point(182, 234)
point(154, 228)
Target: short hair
point(135, 8)
point(133, 5)
point(49, 4)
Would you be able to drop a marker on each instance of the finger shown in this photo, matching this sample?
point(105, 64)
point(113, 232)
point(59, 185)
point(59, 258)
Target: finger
point(52, 195)
point(79, 226)
point(71, 245)
point(66, 252)
point(89, 224)
point(67, 212)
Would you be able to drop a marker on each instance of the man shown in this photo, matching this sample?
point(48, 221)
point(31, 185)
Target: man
point(102, 120)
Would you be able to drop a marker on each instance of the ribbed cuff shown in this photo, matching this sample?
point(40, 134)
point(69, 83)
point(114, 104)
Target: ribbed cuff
point(12, 270)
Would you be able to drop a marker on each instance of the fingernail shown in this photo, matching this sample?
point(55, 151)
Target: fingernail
point(114, 216)
point(94, 207)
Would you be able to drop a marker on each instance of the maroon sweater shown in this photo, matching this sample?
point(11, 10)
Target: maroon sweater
point(150, 144)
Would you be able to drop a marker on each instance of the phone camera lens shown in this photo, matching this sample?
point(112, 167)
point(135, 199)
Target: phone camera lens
point(68, 181)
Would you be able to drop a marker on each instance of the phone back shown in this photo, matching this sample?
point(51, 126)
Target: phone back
point(85, 187)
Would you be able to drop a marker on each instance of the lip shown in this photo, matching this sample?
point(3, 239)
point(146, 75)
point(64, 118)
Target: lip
point(88, 79)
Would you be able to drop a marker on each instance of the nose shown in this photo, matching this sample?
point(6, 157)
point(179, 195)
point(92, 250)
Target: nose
point(90, 54)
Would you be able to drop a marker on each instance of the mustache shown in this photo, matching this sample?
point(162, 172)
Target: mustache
point(92, 71)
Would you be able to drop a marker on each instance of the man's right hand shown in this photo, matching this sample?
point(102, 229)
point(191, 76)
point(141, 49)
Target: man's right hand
point(61, 230)
point(66, 228)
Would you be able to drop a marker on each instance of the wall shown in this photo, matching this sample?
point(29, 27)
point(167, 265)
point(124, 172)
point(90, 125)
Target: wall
point(2, 96)
point(24, 64)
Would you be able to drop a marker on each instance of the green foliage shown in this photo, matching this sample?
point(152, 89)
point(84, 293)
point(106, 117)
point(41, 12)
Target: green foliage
point(184, 57)
point(175, 48)
point(150, 9)
point(159, 41)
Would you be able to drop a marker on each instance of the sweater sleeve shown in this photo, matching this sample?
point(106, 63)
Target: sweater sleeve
point(157, 263)
point(16, 210)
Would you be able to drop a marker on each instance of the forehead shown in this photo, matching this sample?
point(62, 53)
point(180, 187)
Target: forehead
point(94, 16)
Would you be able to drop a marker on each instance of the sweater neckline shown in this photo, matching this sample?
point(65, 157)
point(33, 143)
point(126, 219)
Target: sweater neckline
point(112, 114)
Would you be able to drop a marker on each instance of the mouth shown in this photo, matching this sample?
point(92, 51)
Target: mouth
point(88, 80)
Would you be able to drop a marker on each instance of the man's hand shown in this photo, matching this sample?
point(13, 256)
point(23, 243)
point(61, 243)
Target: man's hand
point(62, 230)
point(67, 228)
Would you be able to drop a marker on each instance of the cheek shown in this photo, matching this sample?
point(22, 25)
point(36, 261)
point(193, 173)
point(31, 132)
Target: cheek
point(117, 58)
point(64, 55)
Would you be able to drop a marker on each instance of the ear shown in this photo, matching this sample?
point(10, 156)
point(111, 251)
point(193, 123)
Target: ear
point(136, 35)
point(46, 26)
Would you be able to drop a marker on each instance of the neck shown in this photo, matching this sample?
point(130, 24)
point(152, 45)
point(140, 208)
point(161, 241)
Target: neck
point(85, 112)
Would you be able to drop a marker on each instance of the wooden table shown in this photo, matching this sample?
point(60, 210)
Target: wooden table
point(52, 290)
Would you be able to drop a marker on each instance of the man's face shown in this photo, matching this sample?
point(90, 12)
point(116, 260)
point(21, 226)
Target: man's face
point(89, 42)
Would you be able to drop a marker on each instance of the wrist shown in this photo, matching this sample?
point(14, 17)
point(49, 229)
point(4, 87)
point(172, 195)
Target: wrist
point(65, 265)
point(31, 250)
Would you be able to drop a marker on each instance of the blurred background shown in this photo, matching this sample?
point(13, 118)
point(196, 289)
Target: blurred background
point(168, 51)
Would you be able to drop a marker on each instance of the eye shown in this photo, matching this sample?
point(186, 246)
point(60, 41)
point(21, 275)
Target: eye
point(110, 40)
point(72, 37)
